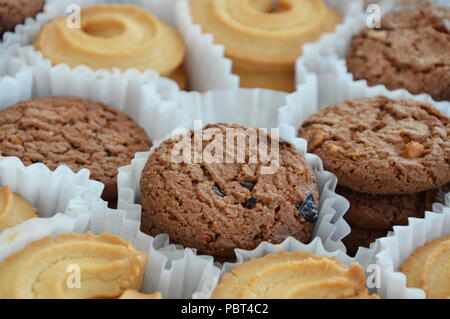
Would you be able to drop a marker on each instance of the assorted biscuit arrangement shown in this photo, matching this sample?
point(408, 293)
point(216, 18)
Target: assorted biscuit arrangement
point(322, 143)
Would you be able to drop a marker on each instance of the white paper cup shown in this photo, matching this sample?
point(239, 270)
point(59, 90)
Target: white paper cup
point(171, 270)
point(208, 67)
point(49, 192)
point(326, 57)
point(252, 108)
point(290, 245)
point(16, 78)
point(402, 243)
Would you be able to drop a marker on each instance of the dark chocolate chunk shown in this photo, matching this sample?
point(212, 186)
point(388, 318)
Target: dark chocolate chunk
point(248, 185)
point(35, 161)
point(108, 153)
point(250, 203)
point(216, 190)
point(309, 209)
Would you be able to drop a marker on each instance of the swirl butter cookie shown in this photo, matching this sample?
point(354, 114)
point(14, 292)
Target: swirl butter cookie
point(264, 44)
point(74, 132)
point(133, 294)
point(115, 36)
point(13, 209)
point(217, 206)
point(429, 268)
point(411, 50)
point(108, 266)
point(293, 275)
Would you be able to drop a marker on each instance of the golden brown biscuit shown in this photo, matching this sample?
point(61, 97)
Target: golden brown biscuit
point(429, 268)
point(47, 268)
point(264, 44)
point(133, 294)
point(14, 210)
point(115, 36)
point(293, 275)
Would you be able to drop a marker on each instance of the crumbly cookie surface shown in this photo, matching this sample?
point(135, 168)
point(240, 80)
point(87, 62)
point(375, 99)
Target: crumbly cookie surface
point(382, 146)
point(74, 132)
point(218, 207)
point(411, 51)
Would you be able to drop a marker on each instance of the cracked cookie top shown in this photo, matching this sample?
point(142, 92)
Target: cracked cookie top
point(382, 146)
point(74, 132)
point(411, 50)
point(218, 206)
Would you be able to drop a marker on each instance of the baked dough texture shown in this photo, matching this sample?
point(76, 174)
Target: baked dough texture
point(14, 12)
point(411, 50)
point(108, 267)
point(263, 44)
point(429, 268)
point(133, 294)
point(115, 36)
point(217, 207)
point(382, 146)
point(14, 209)
point(75, 132)
point(293, 275)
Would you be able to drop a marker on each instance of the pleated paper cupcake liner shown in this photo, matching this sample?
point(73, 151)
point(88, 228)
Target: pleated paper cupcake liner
point(326, 57)
point(208, 67)
point(402, 243)
point(289, 245)
point(304, 103)
point(252, 108)
point(20, 43)
point(49, 192)
point(16, 77)
point(173, 271)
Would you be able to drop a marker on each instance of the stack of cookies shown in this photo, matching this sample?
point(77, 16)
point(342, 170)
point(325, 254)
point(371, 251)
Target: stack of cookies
point(392, 158)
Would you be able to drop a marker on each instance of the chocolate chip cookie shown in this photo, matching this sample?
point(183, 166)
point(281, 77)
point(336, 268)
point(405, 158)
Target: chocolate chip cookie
point(14, 12)
point(382, 146)
point(74, 132)
point(217, 206)
point(411, 50)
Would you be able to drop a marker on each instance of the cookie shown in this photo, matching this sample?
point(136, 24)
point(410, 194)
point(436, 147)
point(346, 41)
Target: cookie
point(382, 146)
point(428, 268)
point(262, 41)
point(360, 237)
point(216, 207)
point(115, 36)
point(74, 132)
point(133, 294)
point(108, 266)
point(411, 50)
point(14, 12)
point(14, 209)
point(382, 212)
point(293, 275)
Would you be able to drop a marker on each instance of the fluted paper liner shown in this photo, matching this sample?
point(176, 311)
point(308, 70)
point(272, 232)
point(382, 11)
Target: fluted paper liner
point(326, 60)
point(402, 243)
point(251, 108)
point(15, 78)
